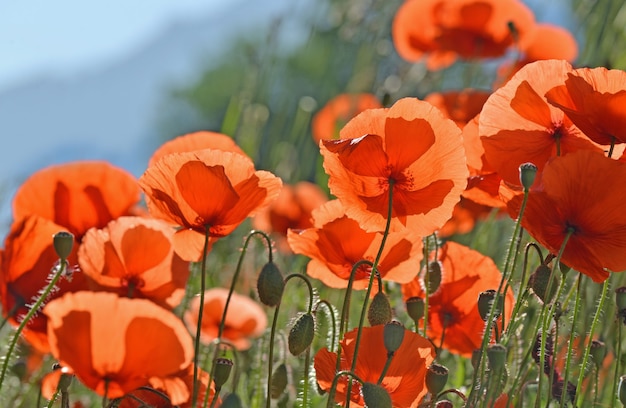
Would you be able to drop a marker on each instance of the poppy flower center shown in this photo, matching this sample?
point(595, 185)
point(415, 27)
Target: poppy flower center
point(131, 283)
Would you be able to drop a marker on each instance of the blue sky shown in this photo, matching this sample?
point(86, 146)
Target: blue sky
point(65, 36)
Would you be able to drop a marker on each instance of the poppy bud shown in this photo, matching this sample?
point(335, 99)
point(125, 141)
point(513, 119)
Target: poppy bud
point(621, 390)
point(527, 173)
point(64, 382)
point(496, 354)
point(19, 369)
point(279, 381)
point(564, 268)
point(221, 371)
point(433, 274)
point(539, 281)
point(476, 358)
point(415, 308)
point(393, 335)
point(444, 404)
point(63, 242)
point(232, 400)
point(270, 285)
point(598, 352)
point(436, 378)
point(379, 311)
point(301, 334)
point(375, 395)
point(485, 300)
point(620, 298)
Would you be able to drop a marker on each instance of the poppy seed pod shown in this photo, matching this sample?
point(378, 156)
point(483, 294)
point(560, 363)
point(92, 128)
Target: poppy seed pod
point(538, 282)
point(621, 390)
point(379, 311)
point(433, 276)
point(375, 396)
point(270, 285)
point(415, 308)
point(620, 298)
point(279, 381)
point(598, 352)
point(496, 354)
point(476, 355)
point(63, 243)
point(527, 173)
point(223, 366)
point(444, 404)
point(485, 300)
point(232, 400)
point(301, 334)
point(393, 336)
point(436, 378)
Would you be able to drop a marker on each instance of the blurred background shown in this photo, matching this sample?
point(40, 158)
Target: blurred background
point(113, 80)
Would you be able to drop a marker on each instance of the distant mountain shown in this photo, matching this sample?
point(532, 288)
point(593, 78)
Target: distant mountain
point(111, 112)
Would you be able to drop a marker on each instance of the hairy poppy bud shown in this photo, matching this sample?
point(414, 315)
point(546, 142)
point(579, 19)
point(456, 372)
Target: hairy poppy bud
point(496, 354)
point(63, 243)
point(539, 281)
point(301, 334)
point(379, 311)
point(485, 300)
point(620, 298)
point(433, 276)
point(527, 173)
point(279, 381)
point(598, 352)
point(232, 400)
point(415, 308)
point(621, 390)
point(444, 404)
point(270, 285)
point(476, 354)
point(222, 370)
point(393, 335)
point(436, 378)
point(375, 395)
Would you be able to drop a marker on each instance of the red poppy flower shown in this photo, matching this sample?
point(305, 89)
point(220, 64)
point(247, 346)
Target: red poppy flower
point(292, 209)
point(338, 111)
point(245, 318)
point(196, 141)
point(174, 390)
point(594, 99)
point(337, 242)
point(206, 190)
point(28, 260)
point(134, 257)
point(582, 192)
point(453, 311)
point(460, 106)
point(78, 196)
point(405, 378)
point(409, 147)
point(442, 30)
point(517, 125)
point(115, 345)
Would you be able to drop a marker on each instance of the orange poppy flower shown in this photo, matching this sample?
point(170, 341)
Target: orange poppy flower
point(441, 30)
point(245, 318)
point(174, 390)
point(337, 242)
point(582, 191)
point(115, 345)
point(78, 195)
point(453, 311)
point(338, 111)
point(196, 141)
point(460, 106)
point(410, 147)
point(292, 209)
point(206, 190)
point(27, 260)
point(134, 257)
point(517, 125)
point(405, 378)
point(594, 99)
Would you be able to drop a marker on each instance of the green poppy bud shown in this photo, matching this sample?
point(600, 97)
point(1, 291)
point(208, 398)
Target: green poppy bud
point(598, 352)
point(485, 300)
point(538, 282)
point(375, 395)
point(279, 381)
point(379, 311)
point(232, 400)
point(63, 243)
point(270, 285)
point(393, 336)
point(223, 366)
point(496, 354)
point(527, 173)
point(415, 308)
point(620, 298)
point(621, 390)
point(301, 334)
point(434, 276)
point(436, 378)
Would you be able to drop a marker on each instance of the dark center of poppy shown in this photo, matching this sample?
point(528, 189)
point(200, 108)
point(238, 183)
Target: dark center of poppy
point(132, 282)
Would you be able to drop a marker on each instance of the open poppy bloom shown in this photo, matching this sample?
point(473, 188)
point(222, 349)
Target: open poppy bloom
point(337, 242)
point(410, 148)
point(292, 209)
point(443, 30)
point(115, 345)
point(405, 378)
point(196, 141)
point(517, 125)
point(245, 318)
point(594, 99)
point(134, 257)
point(205, 192)
point(582, 194)
point(338, 111)
point(78, 195)
point(460, 106)
point(452, 310)
point(27, 262)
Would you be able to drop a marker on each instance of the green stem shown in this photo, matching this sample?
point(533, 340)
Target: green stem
point(385, 368)
point(333, 386)
point(618, 356)
point(570, 343)
point(196, 355)
point(270, 358)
